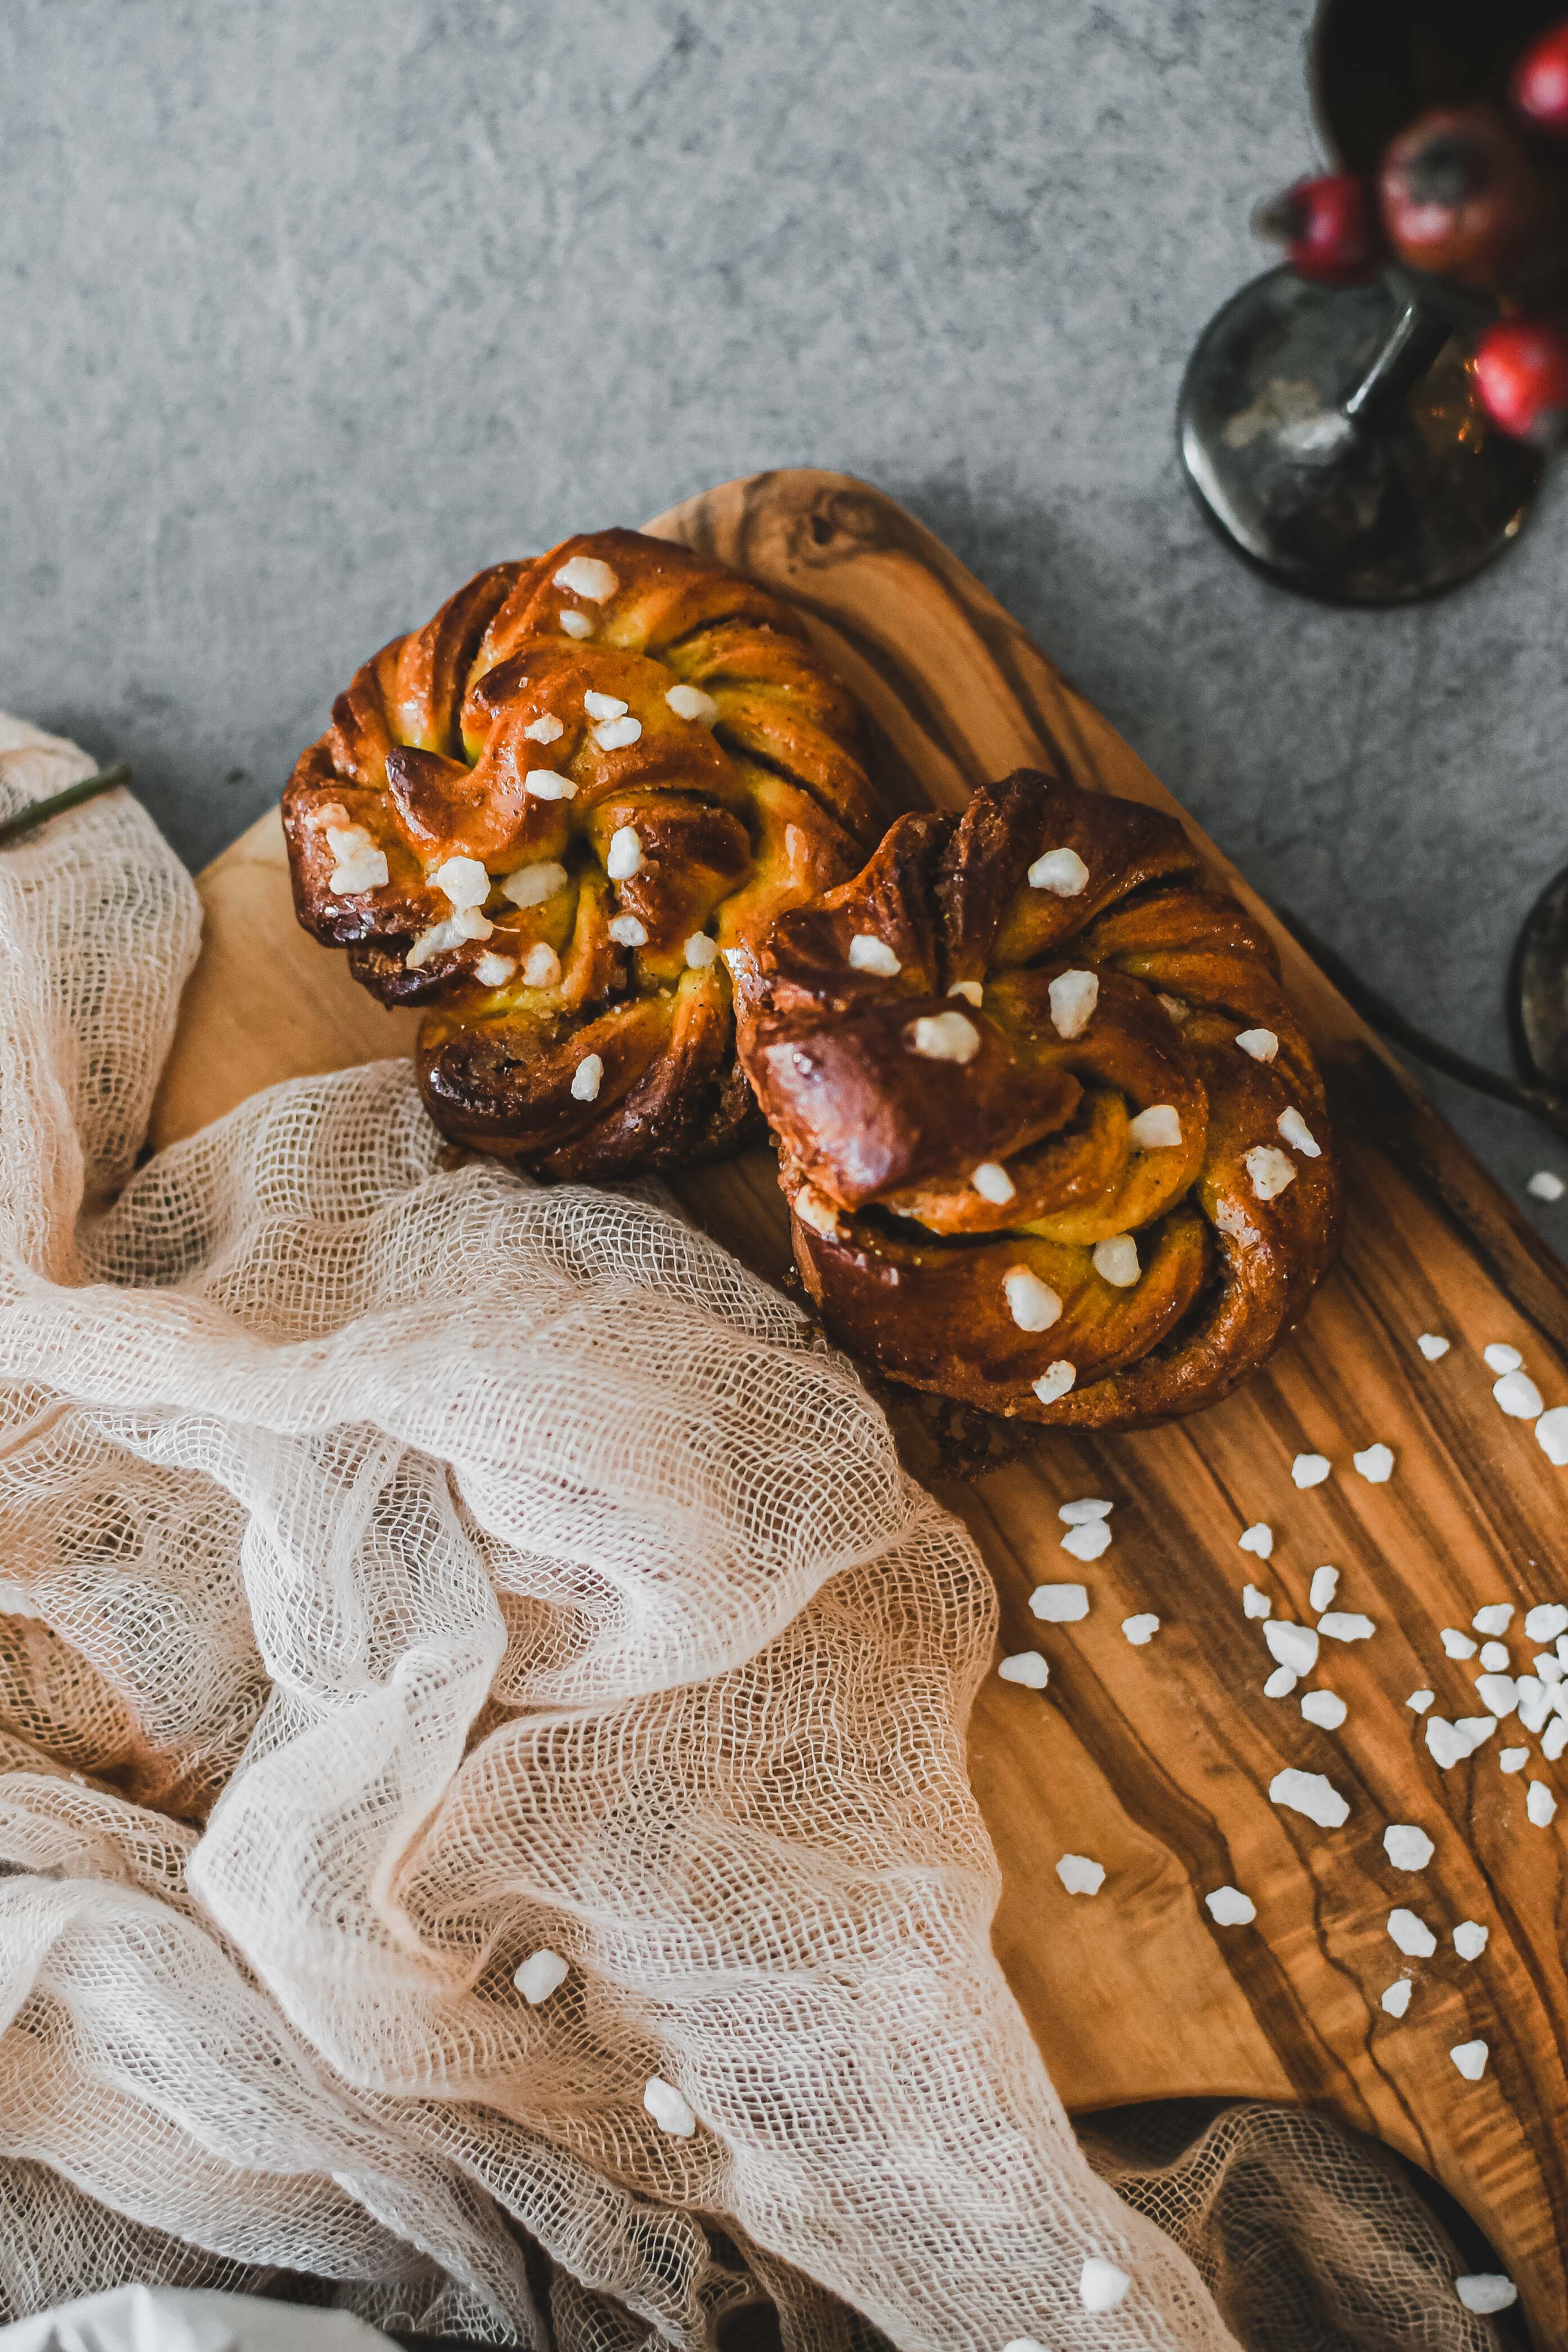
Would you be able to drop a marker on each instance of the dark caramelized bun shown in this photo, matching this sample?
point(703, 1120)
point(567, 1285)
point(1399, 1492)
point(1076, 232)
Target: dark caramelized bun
point(1053, 1141)
point(550, 814)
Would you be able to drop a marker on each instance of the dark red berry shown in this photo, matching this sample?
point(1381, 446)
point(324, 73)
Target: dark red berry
point(1521, 375)
point(1327, 228)
point(1460, 198)
point(1541, 82)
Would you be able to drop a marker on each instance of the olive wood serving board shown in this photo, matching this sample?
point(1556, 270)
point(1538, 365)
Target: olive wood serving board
point(1156, 1761)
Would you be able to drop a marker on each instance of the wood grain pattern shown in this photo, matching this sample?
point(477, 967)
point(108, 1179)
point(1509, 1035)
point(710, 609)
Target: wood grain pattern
point(1156, 1761)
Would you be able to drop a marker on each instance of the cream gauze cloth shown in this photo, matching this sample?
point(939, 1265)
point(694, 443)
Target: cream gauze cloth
point(410, 1570)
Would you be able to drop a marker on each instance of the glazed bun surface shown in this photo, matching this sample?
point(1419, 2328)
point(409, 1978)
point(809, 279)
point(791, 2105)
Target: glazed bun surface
point(549, 814)
point(1053, 1139)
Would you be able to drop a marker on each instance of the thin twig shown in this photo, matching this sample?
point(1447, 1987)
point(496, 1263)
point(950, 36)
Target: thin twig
point(40, 812)
point(1540, 1102)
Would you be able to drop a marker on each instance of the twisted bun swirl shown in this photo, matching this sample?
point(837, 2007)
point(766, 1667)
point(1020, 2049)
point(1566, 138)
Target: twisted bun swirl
point(1053, 1141)
point(550, 813)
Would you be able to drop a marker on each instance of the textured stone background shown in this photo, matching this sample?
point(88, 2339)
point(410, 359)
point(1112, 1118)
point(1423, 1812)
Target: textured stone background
point(310, 310)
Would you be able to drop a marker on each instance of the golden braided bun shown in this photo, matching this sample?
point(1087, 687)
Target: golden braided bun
point(1053, 1139)
point(549, 813)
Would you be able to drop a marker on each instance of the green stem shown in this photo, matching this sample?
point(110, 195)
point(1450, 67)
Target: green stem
point(40, 812)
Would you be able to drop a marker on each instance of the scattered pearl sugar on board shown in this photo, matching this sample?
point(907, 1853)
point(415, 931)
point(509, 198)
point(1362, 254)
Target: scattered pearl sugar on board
point(1089, 1541)
point(1546, 1621)
point(1456, 1644)
point(1280, 1684)
point(1554, 1738)
point(1321, 1593)
point(1471, 2058)
point(1028, 1667)
point(1413, 1935)
point(1396, 1998)
point(1496, 1618)
point(1500, 1358)
point(543, 1973)
point(1475, 1728)
point(1346, 1625)
point(1086, 1509)
point(1100, 2286)
point(1310, 1793)
point(1227, 1906)
point(1140, 1629)
point(1408, 1847)
point(1258, 1539)
point(1310, 1469)
point(1470, 1939)
point(1079, 1875)
point(1498, 1693)
point(667, 2109)
point(1540, 1805)
point(1255, 1603)
point(1486, 2291)
point(1327, 1710)
point(1375, 1464)
point(1433, 1344)
point(1495, 1657)
point(1546, 1185)
point(1514, 1759)
point(1420, 1700)
point(1060, 1604)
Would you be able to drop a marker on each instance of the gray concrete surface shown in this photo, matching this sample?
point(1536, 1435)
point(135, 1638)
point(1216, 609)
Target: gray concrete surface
point(313, 306)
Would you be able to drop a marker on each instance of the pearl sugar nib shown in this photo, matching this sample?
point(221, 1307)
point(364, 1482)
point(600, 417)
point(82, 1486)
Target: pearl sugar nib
point(1102, 2287)
point(1062, 872)
point(1028, 1667)
point(1470, 1939)
point(1545, 1185)
point(1269, 1170)
point(668, 2110)
point(1484, 2291)
point(1396, 1997)
point(1518, 1397)
point(1073, 997)
point(1227, 1906)
point(1261, 1044)
point(1471, 2058)
point(1079, 1875)
point(1255, 1603)
point(1060, 1604)
point(1540, 1805)
point(1376, 1464)
point(1084, 1508)
point(1310, 1793)
point(1295, 1647)
point(1324, 1585)
point(1140, 1629)
point(1413, 1935)
point(1089, 1541)
point(1432, 1345)
point(1258, 1539)
point(543, 1973)
point(1310, 1469)
point(1408, 1847)
point(1327, 1710)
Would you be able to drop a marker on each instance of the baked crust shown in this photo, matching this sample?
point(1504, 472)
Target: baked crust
point(469, 740)
point(880, 1139)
